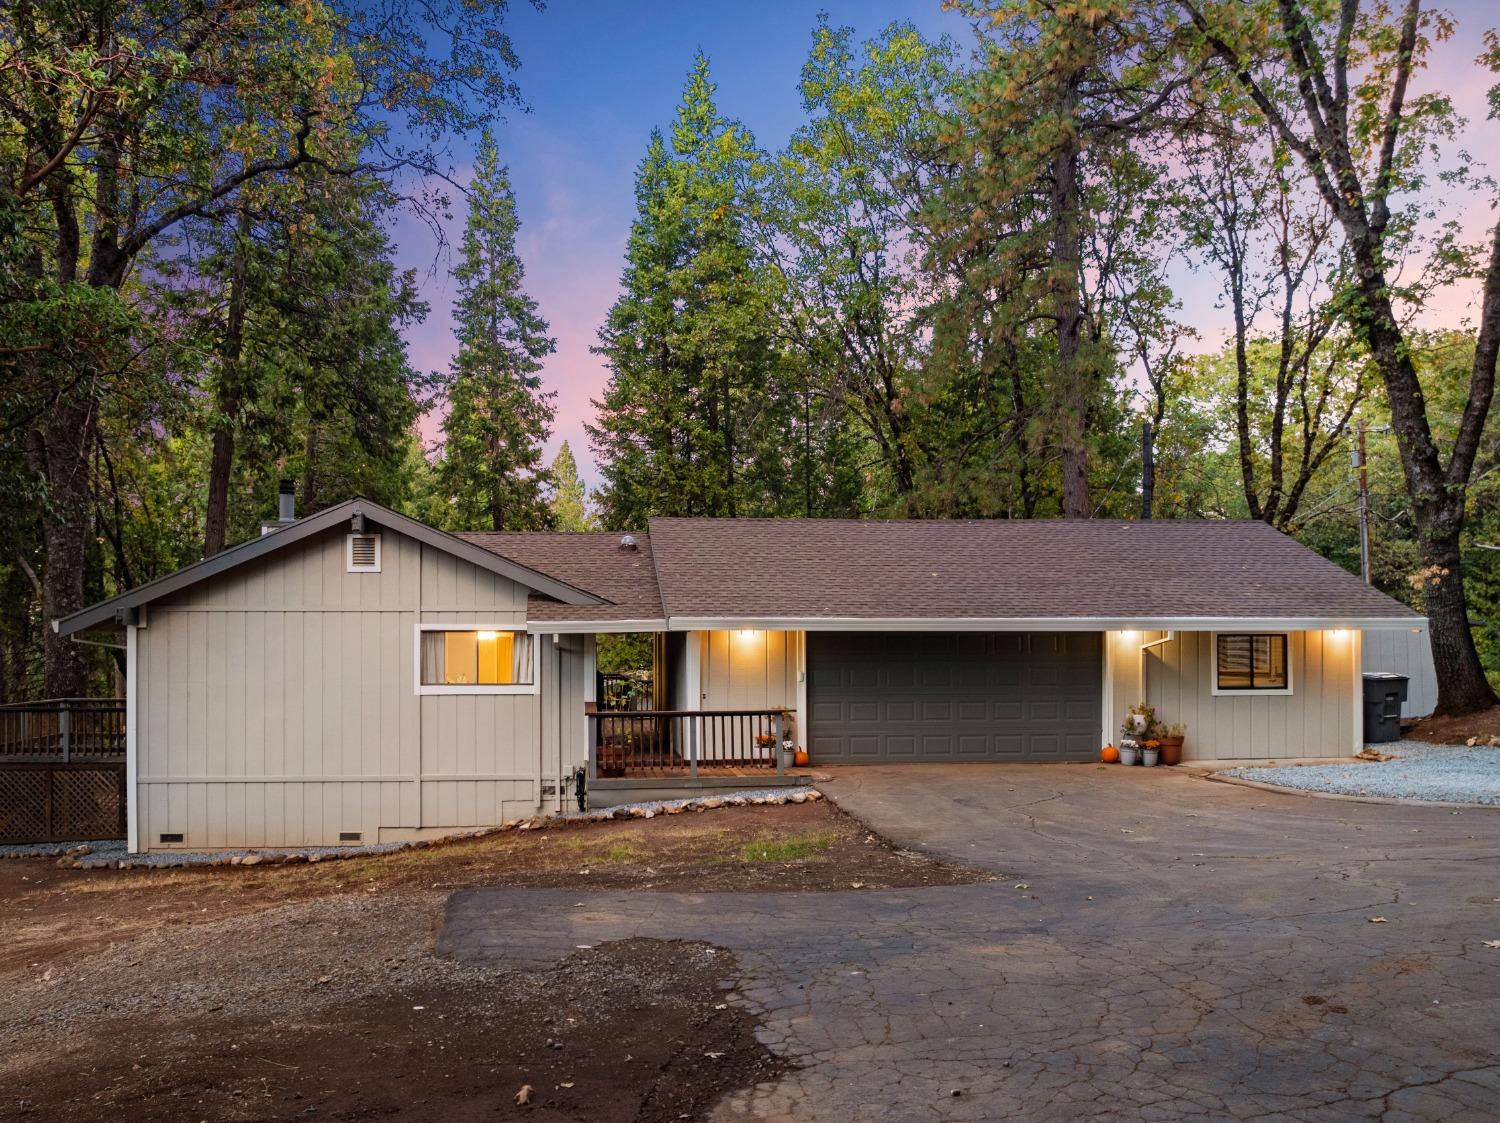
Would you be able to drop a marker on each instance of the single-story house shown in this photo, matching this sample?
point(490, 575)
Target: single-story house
point(357, 676)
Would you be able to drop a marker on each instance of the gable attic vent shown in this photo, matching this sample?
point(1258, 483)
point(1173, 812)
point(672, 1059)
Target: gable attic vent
point(363, 553)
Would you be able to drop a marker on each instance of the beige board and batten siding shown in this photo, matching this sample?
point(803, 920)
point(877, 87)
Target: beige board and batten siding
point(1405, 651)
point(278, 705)
point(750, 669)
point(1318, 719)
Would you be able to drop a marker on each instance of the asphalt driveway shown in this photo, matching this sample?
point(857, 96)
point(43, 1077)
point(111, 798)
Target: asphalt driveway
point(1163, 947)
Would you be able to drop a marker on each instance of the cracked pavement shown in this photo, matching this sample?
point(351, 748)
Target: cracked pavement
point(1163, 947)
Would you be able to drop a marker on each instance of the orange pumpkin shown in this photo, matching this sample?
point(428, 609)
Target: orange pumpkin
point(1109, 754)
point(800, 758)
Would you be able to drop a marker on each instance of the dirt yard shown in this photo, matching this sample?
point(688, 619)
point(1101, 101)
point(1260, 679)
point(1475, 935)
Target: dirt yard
point(312, 990)
point(1456, 730)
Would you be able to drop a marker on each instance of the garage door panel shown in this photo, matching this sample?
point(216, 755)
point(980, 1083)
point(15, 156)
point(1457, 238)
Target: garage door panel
point(974, 696)
point(897, 746)
point(1010, 745)
point(1042, 745)
point(826, 713)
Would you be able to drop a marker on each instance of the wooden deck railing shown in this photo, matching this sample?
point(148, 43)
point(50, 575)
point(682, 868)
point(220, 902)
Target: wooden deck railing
point(62, 770)
point(63, 730)
point(684, 742)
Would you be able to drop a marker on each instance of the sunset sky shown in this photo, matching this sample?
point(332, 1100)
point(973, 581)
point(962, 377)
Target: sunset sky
point(599, 76)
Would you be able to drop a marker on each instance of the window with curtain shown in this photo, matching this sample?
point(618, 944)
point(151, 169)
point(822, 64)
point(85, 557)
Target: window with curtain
point(477, 658)
point(1251, 662)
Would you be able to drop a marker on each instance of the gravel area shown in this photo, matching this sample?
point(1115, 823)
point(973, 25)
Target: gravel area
point(1445, 773)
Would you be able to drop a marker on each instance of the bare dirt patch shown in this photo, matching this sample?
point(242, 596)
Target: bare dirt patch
point(572, 1035)
point(279, 991)
point(1456, 730)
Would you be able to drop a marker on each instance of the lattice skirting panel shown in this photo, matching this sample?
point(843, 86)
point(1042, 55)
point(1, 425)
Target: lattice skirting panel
point(61, 802)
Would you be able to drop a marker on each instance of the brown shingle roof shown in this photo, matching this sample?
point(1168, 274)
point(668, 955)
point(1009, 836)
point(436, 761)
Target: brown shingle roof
point(1000, 569)
point(593, 561)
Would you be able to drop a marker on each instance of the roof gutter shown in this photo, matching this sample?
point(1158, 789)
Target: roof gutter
point(1044, 623)
point(1170, 625)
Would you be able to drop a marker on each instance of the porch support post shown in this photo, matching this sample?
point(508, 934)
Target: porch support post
point(65, 729)
point(132, 744)
point(776, 732)
point(692, 725)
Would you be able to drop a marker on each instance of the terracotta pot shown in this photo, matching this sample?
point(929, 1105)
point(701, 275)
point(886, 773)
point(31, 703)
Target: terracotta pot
point(1171, 750)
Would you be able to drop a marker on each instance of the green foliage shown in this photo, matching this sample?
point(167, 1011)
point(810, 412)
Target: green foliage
point(629, 651)
point(695, 419)
point(569, 504)
point(498, 416)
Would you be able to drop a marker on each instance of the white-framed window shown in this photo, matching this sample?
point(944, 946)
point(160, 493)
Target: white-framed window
point(475, 659)
point(1252, 663)
point(362, 553)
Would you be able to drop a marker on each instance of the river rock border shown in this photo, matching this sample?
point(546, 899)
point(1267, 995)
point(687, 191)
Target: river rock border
point(112, 855)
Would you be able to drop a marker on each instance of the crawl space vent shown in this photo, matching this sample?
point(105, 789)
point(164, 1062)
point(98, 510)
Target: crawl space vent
point(350, 836)
point(172, 837)
point(364, 553)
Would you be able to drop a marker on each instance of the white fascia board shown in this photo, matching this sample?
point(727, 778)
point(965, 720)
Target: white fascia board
point(1041, 623)
point(593, 627)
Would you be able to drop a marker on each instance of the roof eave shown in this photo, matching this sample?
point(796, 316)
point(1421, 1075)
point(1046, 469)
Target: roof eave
point(1043, 623)
point(105, 611)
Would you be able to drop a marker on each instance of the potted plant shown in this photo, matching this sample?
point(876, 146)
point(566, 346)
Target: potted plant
point(1130, 752)
point(1139, 719)
point(1150, 751)
point(1171, 737)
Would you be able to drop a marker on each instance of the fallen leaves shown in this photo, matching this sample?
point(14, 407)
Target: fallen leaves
point(524, 1095)
point(1492, 943)
point(1378, 920)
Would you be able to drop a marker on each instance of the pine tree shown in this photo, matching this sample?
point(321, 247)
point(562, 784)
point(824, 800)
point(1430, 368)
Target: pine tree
point(695, 416)
point(569, 503)
point(498, 416)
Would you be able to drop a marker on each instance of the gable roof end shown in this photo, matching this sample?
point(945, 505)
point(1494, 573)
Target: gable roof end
point(110, 611)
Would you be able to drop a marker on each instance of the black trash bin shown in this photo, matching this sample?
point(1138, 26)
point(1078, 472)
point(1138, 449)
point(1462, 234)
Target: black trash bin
point(1384, 693)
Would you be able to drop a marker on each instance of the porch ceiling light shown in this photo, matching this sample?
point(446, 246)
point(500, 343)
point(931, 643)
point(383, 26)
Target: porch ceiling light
point(489, 635)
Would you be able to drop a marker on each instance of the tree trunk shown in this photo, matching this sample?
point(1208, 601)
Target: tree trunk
point(1462, 686)
point(215, 524)
point(1148, 470)
point(497, 488)
point(64, 538)
point(1437, 502)
point(1067, 257)
point(310, 468)
point(230, 395)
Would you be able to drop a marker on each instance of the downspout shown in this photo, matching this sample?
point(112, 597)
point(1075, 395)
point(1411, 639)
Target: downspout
point(132, 744)
point(557, 652)
point(541, 721)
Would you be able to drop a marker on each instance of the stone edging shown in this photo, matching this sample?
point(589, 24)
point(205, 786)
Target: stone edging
point(83, 856)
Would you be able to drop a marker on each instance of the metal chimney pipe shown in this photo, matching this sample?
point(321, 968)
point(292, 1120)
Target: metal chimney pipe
point(288, 510)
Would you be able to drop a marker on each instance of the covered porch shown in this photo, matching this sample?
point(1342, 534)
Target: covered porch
point(686, 725)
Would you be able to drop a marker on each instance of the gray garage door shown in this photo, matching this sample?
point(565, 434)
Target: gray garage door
point(954, 696)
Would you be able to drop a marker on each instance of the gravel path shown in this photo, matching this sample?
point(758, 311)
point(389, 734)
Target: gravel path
point(1448, 773)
